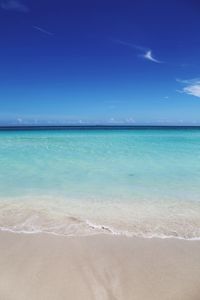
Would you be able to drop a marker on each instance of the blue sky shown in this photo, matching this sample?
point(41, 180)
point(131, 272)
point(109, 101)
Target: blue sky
point(100, 61)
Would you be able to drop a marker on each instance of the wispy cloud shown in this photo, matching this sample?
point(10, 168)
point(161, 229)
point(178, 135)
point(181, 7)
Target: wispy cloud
point(130, 45)
point(19, 120)
point(147, 53)
point(14, 5)
point(42, 30)
point(192, 87)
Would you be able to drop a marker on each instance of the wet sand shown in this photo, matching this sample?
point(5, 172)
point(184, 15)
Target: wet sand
point(49, 267)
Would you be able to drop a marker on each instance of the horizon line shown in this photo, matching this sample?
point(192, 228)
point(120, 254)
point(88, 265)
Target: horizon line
point(92, 127)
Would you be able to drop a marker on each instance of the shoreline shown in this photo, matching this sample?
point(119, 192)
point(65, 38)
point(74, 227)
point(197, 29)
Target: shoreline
point(108, 232)
point(46, 266)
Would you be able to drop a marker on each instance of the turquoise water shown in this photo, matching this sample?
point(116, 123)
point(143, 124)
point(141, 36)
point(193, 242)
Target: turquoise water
point(135, 182)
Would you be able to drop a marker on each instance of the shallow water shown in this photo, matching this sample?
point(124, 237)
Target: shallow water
point(135, 182)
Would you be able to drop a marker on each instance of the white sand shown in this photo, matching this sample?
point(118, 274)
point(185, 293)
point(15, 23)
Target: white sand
point(48, 267)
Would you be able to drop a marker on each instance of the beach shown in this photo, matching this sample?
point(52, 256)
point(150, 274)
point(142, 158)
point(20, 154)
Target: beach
point(100, 214)
point(100, 150)
point(47, 266)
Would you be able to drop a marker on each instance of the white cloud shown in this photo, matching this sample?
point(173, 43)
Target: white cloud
point(192, 87)
point(42, 30)
point(130, 45)
point(148, 56)
point(14, 5)
point(112, 120)
point(147, 53)
point(130, 120)
point(193, 90)
point(19, 120)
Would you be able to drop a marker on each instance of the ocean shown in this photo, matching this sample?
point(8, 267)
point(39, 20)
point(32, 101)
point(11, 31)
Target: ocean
point(137, 182)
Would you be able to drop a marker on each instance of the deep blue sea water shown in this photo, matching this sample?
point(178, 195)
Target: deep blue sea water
point(137, 182)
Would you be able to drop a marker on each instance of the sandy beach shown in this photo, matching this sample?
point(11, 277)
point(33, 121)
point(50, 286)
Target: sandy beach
point(44, 266)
